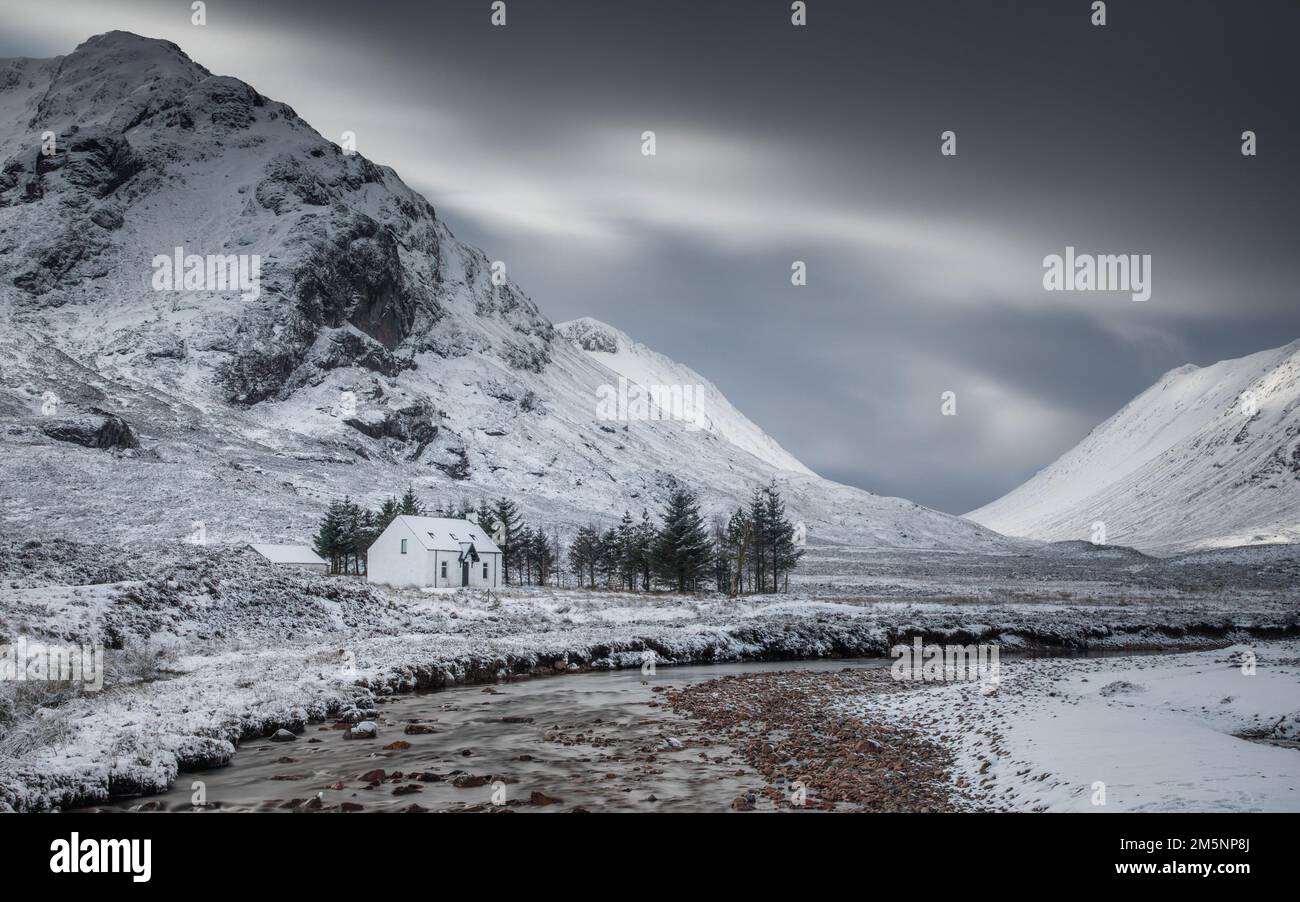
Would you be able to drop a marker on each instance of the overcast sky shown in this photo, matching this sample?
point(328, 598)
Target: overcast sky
point(822, 144)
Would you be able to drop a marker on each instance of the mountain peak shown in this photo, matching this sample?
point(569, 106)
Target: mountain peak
point(126, 52)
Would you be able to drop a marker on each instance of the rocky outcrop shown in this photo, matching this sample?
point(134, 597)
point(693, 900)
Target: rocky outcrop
point(98, 430)
point(415, 425)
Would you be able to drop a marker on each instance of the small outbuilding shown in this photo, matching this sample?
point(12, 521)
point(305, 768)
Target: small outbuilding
point(300, 557)
point(434, 551)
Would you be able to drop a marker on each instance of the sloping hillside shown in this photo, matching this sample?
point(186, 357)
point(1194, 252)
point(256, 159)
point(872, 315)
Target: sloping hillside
point(1208, 456)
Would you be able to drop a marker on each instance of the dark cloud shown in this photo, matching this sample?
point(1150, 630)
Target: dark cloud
point(822, 144)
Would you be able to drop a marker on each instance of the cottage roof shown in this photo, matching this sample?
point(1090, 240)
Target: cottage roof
point(443, 534)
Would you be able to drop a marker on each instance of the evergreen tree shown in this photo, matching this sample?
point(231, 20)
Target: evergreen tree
point(508, 523)
point(486, 521)
point(329, 535)
point(643, 549)
point(349, 536)
point(541, 555)
point(785, 554)
point(628, 565)
point(525, 545)
point(611, 554)
point(759, 534)
point(389, 510)
point(584, 554)
point(410, 505)
point(682, 551)
point(721, 556)
point(367, 531)
point(739, 539)
point(556, 556)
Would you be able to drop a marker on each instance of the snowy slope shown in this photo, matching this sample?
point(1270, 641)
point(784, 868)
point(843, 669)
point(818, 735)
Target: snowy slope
point(646, 367)
point(378, 352)
point(1184, 464)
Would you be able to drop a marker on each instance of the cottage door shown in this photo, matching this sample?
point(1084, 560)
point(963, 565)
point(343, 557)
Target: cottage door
point(464, 573)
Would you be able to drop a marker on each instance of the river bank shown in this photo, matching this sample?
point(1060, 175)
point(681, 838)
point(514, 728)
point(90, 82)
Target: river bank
point(262, 650)
point(1178, 731)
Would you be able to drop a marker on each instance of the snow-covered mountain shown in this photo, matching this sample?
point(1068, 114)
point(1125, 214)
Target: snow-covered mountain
point(377, 351)
point(1208, 456)
point(645, 368)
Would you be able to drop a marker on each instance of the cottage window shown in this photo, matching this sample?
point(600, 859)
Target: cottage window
point(444, 569)
point(403, 546)
point(485, 570)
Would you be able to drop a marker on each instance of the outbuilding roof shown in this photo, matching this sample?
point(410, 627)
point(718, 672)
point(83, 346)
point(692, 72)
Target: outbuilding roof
point(288, 554)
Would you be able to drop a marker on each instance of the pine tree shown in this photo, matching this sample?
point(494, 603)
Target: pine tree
point(508, 522)
point(349, 536)
point(367, 531)
point(486, 521)
point(584, 553)
point(627, 565)
point(739, 539)
point(610, 555)
point(524, 547)
point(554, 551)
point(388, 512)
point(410, 504)
point(722, 555)
point(682, 551)
point(785, 554)
point(643, 549)
point(331, 535)
point(540, 553)
point(760, 535)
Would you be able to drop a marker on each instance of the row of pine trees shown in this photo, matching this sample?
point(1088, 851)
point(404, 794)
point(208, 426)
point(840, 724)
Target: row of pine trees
point(753, 551)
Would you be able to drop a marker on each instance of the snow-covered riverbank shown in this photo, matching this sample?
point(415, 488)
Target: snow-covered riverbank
point(1145, 733)
point(260, 649)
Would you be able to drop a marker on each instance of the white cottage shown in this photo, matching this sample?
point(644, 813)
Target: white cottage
point(434, 551)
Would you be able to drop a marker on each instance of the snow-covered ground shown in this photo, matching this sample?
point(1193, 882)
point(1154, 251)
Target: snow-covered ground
point(262, 648)
point(1181, 732)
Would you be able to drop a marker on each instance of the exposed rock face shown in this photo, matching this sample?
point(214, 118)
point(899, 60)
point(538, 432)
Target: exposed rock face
point(415, 425)
point(107, 431)
point(588, 335)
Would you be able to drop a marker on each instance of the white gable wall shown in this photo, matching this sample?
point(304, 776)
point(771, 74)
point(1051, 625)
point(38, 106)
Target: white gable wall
point(387, 564)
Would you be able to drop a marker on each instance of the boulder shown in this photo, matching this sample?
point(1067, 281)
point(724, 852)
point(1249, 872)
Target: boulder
point(99, 430)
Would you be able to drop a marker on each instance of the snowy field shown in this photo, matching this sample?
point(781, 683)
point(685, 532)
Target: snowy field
point(1183, 732)
point(243, 649)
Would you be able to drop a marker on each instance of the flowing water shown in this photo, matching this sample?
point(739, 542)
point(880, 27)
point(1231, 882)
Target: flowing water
point(599, 741)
